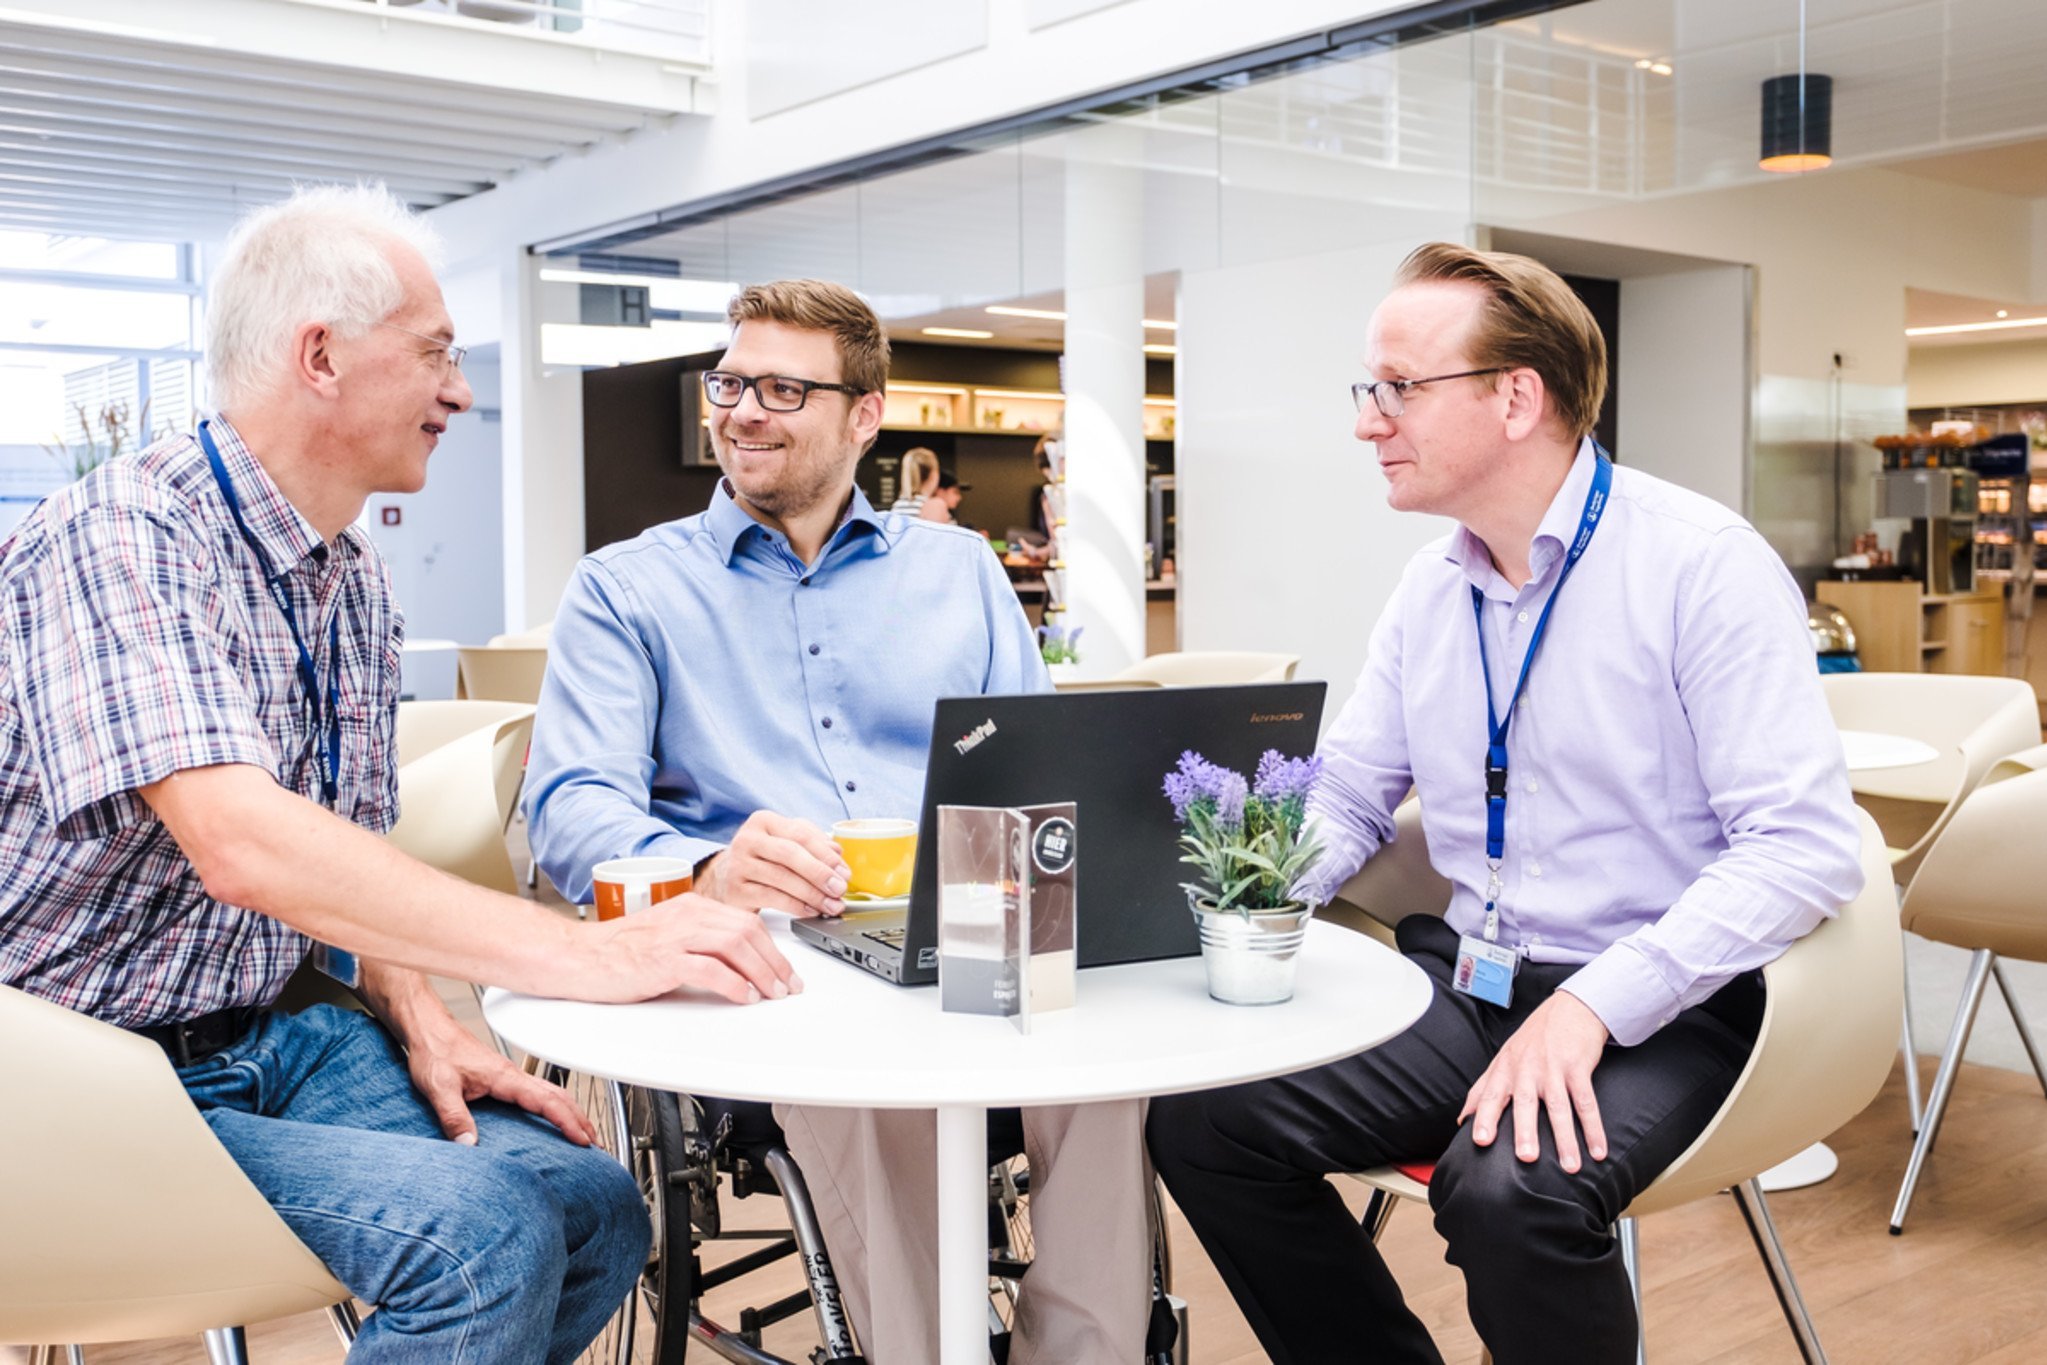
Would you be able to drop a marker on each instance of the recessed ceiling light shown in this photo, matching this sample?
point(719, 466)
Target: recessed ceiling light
point(2004, 312)
point(1660, 68)
point(1003, 310)
point(1643, 64)
point(1955, 327)
point(1155, 349)
point(966, 332)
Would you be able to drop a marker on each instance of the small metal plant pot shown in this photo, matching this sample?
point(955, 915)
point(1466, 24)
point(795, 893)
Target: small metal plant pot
point(1250, 956)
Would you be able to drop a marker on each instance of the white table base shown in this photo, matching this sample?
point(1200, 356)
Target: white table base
point(962, 1234)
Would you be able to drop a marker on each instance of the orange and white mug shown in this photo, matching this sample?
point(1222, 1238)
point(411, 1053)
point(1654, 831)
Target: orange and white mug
point(625, 886)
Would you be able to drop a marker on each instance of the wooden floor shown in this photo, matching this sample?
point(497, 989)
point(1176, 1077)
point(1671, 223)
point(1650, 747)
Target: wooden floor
point(1967, 1282)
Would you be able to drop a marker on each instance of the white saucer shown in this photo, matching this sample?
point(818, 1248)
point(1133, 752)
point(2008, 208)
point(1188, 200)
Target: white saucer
point(861, 907)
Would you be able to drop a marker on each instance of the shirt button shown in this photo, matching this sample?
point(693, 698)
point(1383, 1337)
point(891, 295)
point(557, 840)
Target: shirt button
point(815, 648)
point(806, 582)
point(827, 722)
point(1521, 616)
point(852, 786)
point(1530, 788)
point(1535, 869)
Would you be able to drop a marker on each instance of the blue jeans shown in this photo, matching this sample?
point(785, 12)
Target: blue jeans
point(516, 1250)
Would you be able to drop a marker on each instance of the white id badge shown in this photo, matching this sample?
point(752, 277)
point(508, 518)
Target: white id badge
point(1485, 970)
point(337, 964)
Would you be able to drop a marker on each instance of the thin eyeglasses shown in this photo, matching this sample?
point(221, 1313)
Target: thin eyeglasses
point(451, 356)
point(1391, 394)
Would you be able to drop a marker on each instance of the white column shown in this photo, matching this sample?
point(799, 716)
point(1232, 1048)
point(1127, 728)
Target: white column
point(543, 445)
point(1104, 384)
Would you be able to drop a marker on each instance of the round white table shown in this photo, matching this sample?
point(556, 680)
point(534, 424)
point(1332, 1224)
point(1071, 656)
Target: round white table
point(852, 1039)
point(1866, 751)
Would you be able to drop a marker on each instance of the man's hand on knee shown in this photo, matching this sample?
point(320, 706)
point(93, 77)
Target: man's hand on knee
point(776, 862)
point(1546, 1065)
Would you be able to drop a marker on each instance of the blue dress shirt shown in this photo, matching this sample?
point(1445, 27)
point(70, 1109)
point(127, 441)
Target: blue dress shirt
point(701, 672)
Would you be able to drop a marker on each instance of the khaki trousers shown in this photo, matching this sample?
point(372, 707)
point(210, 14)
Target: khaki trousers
point(1087, 1300)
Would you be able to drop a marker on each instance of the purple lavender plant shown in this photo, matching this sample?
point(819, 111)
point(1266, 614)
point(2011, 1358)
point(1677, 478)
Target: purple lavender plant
point(1245, 837)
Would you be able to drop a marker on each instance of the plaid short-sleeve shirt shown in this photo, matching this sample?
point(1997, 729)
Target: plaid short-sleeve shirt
point(140, 639)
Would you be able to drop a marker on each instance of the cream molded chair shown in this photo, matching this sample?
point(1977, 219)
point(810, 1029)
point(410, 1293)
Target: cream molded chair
point(1980, 888)
point(455, 799)
point(1104, 685)
point(125, 1219)
point(424, 726)
point(1843, 982)
point(538, 635)
point(500, 672)
point(1973, 721)
point(1210, 668)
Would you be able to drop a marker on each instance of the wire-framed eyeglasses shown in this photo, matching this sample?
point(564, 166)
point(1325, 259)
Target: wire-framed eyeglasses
point(1391, 394)
point(449, 356)
point(774, 392)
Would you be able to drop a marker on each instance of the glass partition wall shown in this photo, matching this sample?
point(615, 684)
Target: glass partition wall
point(1181, 282)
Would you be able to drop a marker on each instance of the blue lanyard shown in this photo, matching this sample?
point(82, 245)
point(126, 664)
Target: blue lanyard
point(328, 738)
point(1496, 726)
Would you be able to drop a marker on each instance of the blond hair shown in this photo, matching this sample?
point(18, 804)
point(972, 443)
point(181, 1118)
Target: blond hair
point(920, 466)
point(1531, 319)
point(821, 306)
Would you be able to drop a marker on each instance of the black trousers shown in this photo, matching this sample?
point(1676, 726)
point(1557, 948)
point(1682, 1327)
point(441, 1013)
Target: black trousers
point(1543, 1272)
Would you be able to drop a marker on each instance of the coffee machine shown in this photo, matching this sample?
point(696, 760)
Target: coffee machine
point(1940, 548)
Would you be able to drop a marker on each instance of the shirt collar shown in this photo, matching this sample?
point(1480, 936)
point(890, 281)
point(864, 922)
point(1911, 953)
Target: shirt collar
point(729, 523)
point(1553, 534)
point(283, 534)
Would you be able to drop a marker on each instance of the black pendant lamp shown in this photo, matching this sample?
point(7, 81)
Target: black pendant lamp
point(1798, 117)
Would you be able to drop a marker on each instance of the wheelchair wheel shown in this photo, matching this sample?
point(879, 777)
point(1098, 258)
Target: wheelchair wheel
point(639, 1127)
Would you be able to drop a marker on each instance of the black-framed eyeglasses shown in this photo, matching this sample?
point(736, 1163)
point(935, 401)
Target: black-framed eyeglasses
point(1391, 394)
point(774, 392)
point(449, 356)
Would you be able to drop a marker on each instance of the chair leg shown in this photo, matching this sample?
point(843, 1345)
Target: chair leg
point(1378, 1212)
point(1908, 1052)
point(1630, 1234)
point(1755, 1211)
point(1944, 1080)
point(346, 1321)
point(74, 1355)
point(2018, 1017)
point(227, 1346)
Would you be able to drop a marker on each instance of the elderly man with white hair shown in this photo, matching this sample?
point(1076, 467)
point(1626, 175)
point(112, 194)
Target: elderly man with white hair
point(198, 693)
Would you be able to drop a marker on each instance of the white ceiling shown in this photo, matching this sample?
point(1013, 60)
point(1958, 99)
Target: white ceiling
point(1947, 89)
point(118, 129)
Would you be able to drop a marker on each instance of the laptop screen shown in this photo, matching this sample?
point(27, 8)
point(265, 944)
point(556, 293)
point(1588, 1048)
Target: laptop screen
point(1109, 753)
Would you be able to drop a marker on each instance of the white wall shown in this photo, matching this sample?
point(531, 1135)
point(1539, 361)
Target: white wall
point(1684, 379)
point(447, 551)
point(1991, 372)
point(1286, 541)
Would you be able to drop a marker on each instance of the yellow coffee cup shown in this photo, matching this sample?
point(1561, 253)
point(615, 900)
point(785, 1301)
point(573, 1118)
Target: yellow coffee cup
point(881, 855)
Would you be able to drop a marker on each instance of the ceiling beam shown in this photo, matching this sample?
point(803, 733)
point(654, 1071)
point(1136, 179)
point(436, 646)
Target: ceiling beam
point(390, 40)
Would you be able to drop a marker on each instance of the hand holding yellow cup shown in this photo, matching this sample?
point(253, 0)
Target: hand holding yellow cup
point(881, 857)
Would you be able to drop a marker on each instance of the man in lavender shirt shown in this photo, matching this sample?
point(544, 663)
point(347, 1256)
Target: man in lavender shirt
point(1663, 813)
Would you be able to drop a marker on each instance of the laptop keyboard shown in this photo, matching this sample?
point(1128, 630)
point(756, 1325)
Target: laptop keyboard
point(892, 937)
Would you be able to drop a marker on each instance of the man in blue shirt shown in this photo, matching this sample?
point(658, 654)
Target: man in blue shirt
point(725, 687)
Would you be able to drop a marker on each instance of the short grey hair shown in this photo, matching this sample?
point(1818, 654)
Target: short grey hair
point(320, 256)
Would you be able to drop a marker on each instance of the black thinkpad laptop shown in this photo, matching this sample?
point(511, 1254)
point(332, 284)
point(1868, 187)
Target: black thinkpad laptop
point(1109, 753)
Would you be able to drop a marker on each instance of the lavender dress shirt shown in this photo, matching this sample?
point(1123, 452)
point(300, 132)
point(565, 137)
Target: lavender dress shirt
point(1678, 809)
